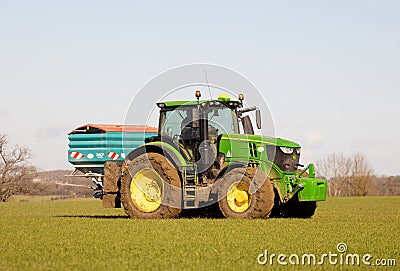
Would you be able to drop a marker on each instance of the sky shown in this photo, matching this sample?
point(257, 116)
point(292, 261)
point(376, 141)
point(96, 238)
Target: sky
point(328, 70)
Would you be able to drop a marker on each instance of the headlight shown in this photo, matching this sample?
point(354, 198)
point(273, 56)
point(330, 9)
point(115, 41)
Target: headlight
point(298, 150)
point(287, 150)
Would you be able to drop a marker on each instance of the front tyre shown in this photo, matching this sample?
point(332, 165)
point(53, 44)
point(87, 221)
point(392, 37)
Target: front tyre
point(237, 200)
point(150, 187)
point(300, 209)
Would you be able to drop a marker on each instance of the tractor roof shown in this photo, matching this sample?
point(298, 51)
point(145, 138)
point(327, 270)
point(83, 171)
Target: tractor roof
point(229, 103)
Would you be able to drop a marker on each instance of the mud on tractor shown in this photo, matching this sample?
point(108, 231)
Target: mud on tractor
point(205, 153)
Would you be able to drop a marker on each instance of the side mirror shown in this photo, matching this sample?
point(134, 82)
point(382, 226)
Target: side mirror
point(258, 118)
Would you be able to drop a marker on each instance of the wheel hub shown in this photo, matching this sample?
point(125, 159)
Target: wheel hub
point(238, 197)
point(146, 190)
point(241, 196)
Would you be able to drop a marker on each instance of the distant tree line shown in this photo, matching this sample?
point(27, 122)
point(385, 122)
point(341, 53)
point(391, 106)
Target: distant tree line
point(16, 172)
point(19, 177)
point(353, 176)
point(55, 182)
point(346, 175)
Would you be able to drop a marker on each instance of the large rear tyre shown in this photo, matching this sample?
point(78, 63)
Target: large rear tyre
point(150, 187)
point(237, 200)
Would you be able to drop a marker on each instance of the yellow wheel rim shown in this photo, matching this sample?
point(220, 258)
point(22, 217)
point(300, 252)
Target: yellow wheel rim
point(238, 197)
point(147, 190)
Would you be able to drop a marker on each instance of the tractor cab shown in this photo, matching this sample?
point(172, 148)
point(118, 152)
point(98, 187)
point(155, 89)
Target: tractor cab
point(197, 125)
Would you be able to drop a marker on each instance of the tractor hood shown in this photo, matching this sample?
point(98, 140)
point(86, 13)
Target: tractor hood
point(273, 141)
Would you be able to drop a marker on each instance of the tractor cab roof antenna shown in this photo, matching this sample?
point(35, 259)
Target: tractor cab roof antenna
point(208, 85)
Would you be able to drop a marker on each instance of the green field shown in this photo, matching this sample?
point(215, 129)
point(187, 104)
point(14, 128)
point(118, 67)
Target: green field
point(81, 235)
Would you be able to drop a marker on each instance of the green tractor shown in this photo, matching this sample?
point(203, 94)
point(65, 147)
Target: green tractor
point(201, 157)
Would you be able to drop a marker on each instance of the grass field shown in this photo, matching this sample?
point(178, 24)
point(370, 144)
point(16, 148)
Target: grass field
point(81, 235)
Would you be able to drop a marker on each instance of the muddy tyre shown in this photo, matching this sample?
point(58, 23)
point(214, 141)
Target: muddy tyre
point(301, 209)
point(151, 187)
point(236, 198)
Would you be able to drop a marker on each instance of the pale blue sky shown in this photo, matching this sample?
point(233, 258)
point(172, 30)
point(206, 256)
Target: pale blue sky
point(329, 70)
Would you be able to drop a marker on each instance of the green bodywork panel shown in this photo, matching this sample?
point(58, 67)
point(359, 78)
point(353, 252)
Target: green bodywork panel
point(261, 140)
point(243, 148)
point(253, 149)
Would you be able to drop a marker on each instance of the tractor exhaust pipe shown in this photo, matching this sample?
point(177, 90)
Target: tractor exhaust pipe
point(205, 149)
